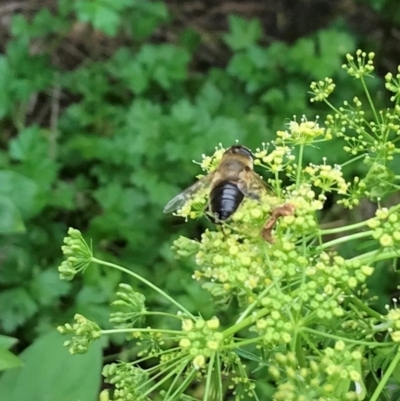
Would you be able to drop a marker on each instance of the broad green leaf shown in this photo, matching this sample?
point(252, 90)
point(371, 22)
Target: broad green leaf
point(147, 17)
point(21, 190)
point(29, 143)
point(8, 360)
point(10, 217)
point(5, 76)
point(102, 14)
point(242, 33)
point(50, 373)
point(7, 341)
point(46, 287)
point(17, 307)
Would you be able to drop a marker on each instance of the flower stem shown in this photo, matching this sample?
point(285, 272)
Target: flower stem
point(143, 280)
point(253, 304)
point(184, 385)
point(244, 323)
point(346, 238)
point(299, 165)
point(149, 313)
point(344, 339)
point(207, 395)
point(371, 103)
point(360, 305)
point(146, 330)
point(344, 228)
point(353, 160)
point(386, 377)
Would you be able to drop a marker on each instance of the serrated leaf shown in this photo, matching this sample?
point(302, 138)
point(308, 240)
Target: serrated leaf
point(102, 14)
point(28, 144)
point(21, 190)
point(46, 287)
point(242, 33)
point(10, 217)
point(17, 307)
point(5, 76)
point(46, 361)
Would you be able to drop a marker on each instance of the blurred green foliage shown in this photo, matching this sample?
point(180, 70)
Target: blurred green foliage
point(102, 144)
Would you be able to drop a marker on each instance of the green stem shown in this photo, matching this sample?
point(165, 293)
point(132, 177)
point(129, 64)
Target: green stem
point(177, 377)
point(147, 357)
point(207, 395)
point(386, 377)
point(361, 305)
point(299, 166)
point(183, 386)
point(143, 280)
point(244, 323)
point(218, 378)
point(371, 103)
point(350, 227)
point(154, 378)
point(354, 159)
point(376, 256)
point(344, 339)
point(147, 330)
point(346, 238)
point(277, 187)
point(148, 313)
point(235, 345)
point(299, 351)
point(253, 304)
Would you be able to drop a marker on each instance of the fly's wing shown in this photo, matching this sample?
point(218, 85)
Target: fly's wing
point(179, 200)
point(251, 184)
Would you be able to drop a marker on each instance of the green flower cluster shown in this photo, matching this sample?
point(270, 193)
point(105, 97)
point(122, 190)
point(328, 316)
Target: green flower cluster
point(128, 308)
point(361, 65)
point(303, 309)
point(129, 382)
point(393, 85)
point(327, 379)
point(303, 133)
point(78, 255)
point(201, 339)
point(386, 228)
point(84, 332)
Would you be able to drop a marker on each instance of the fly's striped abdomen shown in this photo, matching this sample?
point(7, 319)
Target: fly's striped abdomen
point(225, 198)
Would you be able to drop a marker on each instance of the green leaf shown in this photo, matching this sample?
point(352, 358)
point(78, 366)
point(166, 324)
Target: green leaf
point(8, 360)
point(7, 342)
point(147, 17)
point(10, 217)
point(30, 143)
point(21, 190)
point(50, 373)
point(104, 15)
point(242, 33)
point(46, 287)
point(17, 307)
point(5, 76)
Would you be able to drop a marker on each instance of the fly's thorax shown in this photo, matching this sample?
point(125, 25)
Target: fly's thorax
point(232, 165)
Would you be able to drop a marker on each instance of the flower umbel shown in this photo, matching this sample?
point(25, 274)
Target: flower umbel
point(295, 303)
point(78, 255)
point(84, 333)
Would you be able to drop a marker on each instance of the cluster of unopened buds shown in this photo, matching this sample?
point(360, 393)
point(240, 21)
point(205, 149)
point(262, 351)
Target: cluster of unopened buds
point(334, 366)
point(303, 133)
point(386, 228)
point(327, 178)
point(84, 332)
point(201, 339)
